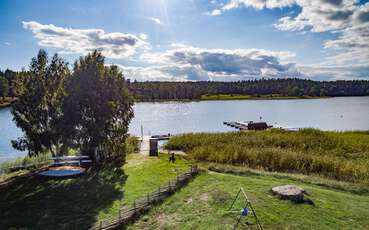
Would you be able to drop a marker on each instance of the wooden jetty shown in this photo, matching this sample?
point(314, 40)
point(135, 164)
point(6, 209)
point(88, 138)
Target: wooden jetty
point(236, 125)
point(249, 125)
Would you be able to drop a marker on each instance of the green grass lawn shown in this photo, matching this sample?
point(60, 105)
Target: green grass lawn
point(78, 203)
point(204, 203)
point(250, 97)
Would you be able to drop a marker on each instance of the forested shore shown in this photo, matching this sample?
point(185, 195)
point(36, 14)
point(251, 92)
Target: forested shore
point(272, 88)
point(291, 88)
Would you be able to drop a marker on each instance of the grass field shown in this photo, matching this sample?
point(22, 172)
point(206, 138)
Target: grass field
point(39, 203)
point(336, 155)
point(249, 97)
point(204, 204)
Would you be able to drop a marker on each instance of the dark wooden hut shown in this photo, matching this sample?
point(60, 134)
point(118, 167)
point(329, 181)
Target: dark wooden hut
point(257, 125)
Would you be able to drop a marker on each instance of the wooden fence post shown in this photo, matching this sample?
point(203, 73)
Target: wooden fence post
point(120, 214)
point(100, 224)
point(134, 205)
point(148, 197)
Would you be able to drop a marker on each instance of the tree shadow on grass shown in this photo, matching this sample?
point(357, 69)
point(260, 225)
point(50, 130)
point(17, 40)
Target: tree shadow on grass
point(39, 203)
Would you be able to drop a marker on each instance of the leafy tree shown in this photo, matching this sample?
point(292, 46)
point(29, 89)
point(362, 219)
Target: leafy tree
point(38, 108)
point(4, 87)
point(10, 76)
point(97, 109)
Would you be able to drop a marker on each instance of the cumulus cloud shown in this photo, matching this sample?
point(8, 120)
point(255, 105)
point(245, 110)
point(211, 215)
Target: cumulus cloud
point(191, 63)
point(112, 45)
point(320, 15)
point(258, 4)
point(347, 18)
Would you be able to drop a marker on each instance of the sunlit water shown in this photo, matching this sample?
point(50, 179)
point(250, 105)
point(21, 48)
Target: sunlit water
point(344, 113)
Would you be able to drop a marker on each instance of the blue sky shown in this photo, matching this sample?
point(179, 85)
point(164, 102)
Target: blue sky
point(195, 39)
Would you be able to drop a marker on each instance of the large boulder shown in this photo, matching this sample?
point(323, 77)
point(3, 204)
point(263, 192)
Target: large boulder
point(289, 192)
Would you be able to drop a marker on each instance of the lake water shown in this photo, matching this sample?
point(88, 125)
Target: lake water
point(341, 113)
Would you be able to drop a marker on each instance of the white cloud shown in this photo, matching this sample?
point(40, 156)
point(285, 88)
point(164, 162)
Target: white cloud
point(190, 63)
point(320, 15)
point(7, 43)
point(347, 18)
point(112, 45)
point(258, 4)
point(143, 36)
point(156, 20)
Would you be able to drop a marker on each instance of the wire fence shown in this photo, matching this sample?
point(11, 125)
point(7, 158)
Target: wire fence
point(128, 214)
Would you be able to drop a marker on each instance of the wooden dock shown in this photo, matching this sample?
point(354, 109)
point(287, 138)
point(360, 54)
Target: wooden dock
point(236, 125)
point(248, 125)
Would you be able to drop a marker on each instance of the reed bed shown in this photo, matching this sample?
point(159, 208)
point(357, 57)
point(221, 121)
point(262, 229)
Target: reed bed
point(337, 155)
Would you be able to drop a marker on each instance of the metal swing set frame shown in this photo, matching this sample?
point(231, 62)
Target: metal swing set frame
point(247, 204)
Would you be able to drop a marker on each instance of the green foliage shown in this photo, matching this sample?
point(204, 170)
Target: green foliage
point(132, 144)
point(4, 87)
point(38, 108)
point(89, 109)
point(343, 156)
point(97, 108)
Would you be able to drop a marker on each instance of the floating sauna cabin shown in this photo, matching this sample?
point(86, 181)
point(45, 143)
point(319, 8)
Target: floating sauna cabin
point(257, 125)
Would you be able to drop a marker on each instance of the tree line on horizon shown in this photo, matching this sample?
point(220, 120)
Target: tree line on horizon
point(172, 90)
point(156, 90)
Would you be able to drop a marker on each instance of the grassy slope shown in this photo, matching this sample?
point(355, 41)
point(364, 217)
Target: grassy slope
point(250, 97)
point(204, 202)
point(343, 156)
point(39, 203)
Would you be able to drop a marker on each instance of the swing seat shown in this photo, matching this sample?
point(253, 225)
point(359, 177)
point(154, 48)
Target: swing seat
point(244, 212)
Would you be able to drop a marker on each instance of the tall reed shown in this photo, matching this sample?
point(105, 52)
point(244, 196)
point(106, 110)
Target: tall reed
point(338, 155)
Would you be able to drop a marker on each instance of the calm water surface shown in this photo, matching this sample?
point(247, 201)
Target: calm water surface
point(344, 113)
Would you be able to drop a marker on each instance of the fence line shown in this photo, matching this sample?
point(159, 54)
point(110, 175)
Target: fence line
point(129, 213)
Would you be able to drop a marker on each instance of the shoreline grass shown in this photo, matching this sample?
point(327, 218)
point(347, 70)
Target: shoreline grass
point(335, 155)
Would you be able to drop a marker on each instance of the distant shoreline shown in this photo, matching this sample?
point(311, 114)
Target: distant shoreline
point(226, 97)
point(221, 97)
